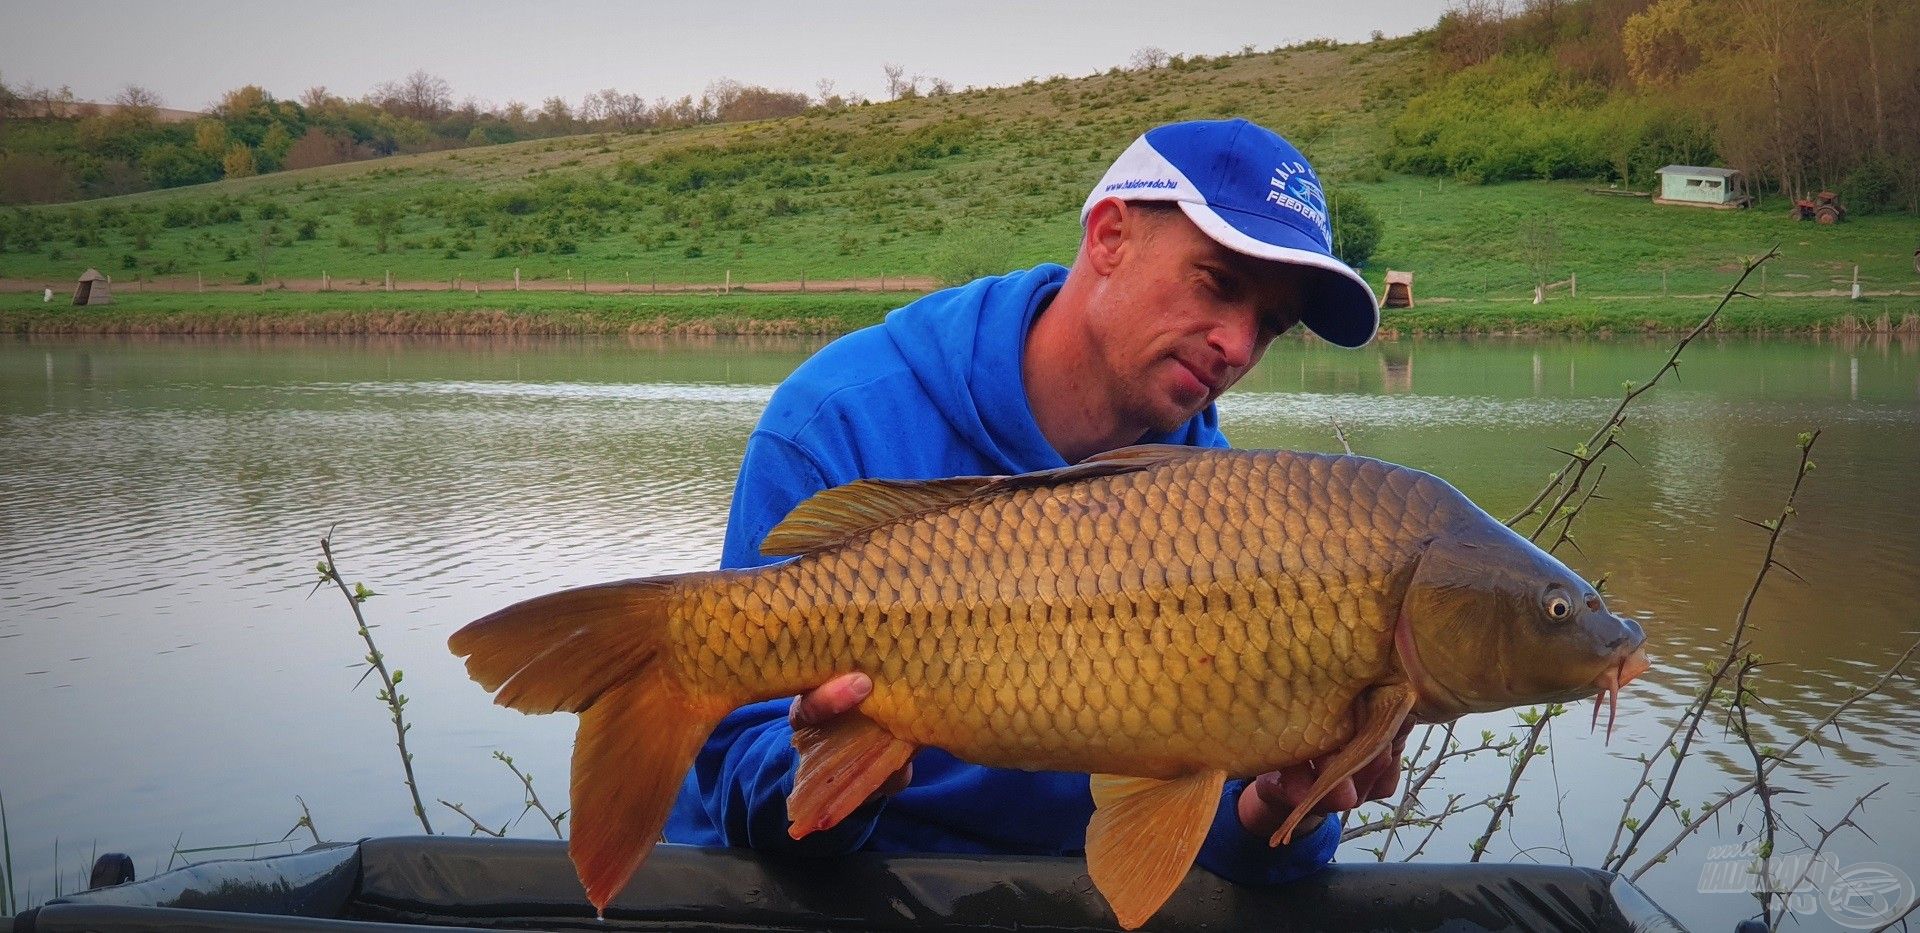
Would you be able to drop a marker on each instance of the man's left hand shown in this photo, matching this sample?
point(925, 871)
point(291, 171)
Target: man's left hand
point(1270, 798)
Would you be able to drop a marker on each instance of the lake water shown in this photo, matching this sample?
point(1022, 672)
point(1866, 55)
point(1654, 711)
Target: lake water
point(167, 680)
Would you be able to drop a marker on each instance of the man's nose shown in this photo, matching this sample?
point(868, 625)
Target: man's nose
point(1235, 338)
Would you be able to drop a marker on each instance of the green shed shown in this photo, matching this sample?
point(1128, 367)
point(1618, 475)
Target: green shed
point(1700, 186)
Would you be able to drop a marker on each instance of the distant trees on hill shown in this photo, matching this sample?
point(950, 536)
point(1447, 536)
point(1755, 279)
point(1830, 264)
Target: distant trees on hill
point(54, 148)
point(1801, 95)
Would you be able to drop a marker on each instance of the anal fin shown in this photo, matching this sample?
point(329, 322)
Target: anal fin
point(1380, 712)
point(841, 764)
point(635, 744)
point(1144, 837)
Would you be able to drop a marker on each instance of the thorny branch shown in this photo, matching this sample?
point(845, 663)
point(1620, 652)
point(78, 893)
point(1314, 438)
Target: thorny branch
point(478, 827)
point(1773, 760)
point(1680, 738)
point(532, 799)
point(1813, 857)
point(376, 664)
point(1530, 748)
point(1567, 481)
point(304, 822)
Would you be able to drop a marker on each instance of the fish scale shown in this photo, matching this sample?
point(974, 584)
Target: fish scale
point(1289, 599)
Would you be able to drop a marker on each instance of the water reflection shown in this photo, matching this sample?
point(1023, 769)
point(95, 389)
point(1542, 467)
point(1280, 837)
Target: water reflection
point(164, 496)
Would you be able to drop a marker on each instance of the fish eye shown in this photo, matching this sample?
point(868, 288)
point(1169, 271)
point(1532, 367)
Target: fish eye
point(1558, 607)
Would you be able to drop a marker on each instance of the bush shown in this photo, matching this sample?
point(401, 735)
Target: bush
point(1870, 188)
point(970, 254)
point(1356, 227)
point(308, 229)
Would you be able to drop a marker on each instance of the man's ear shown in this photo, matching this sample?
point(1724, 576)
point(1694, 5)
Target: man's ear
point(1110, 226)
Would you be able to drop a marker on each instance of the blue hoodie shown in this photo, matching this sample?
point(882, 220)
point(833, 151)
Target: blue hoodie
point(934, 391)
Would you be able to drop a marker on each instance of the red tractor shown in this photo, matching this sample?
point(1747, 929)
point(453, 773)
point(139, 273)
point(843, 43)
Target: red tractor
point(1824, 208)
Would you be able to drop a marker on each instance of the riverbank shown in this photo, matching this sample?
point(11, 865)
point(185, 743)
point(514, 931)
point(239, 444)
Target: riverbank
point(515, 313)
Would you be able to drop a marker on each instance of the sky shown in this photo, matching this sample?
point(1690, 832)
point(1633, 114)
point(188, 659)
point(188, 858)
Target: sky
point(191, 51)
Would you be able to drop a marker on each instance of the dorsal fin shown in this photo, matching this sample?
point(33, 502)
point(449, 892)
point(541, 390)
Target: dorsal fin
point(834, 515)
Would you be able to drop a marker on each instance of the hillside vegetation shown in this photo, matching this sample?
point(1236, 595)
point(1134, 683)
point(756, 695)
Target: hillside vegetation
point(941, 187)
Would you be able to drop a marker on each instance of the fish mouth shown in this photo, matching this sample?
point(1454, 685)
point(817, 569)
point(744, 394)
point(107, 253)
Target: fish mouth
point(1612, 680)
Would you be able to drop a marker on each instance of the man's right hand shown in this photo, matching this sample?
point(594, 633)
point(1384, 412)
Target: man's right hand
point(837, 696)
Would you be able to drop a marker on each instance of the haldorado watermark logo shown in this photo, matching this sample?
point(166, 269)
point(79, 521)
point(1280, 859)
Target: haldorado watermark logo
point(1858, 896)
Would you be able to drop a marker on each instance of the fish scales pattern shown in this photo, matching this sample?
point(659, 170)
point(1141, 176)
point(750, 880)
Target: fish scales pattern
point(1220, 609)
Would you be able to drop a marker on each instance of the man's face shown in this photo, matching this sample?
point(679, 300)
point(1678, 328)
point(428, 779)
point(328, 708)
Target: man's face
point(1182, 318)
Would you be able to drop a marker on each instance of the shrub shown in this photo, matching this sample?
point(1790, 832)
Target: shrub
point(1356, 227)
point(308, 229)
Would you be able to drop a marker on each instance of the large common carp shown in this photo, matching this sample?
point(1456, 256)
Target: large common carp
point(1160, 617)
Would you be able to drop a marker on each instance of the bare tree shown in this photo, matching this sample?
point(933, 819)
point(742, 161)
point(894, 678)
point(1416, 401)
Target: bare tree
point(897, 83)
point(1147, 58)
point(420, 96)
point(825, 87)
point(317, 97)
point(136, 101)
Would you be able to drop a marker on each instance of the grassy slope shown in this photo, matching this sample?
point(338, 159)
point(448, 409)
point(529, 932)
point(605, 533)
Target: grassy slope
point(1008, 197)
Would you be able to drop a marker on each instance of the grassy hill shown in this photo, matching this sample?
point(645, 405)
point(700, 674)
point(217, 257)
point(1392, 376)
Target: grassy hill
point(942, 187)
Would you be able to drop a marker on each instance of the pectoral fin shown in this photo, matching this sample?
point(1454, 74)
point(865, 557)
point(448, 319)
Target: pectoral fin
point(841, 764)
point(1144, 836)
point(1380, 712)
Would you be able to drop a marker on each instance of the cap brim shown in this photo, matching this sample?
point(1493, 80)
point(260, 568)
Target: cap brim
point(1346, 313)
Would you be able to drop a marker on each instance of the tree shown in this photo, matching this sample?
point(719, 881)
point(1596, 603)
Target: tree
point(238, 162)
point(1147, 58)
point(418, 96)
point(1655, 42)
point(897, 83)
point(136, 105)
point(210, 137)
point(317, 147)
point(1356, 227)
point(241, 102)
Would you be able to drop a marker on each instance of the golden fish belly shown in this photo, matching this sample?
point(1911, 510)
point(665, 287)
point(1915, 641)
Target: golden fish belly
point(1222, 611)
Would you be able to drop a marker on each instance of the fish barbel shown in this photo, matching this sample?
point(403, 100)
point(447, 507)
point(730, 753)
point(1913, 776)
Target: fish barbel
point(1160, 617)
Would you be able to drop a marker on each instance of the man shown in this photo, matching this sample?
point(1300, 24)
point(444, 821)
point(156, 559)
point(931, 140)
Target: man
point(1203, 243)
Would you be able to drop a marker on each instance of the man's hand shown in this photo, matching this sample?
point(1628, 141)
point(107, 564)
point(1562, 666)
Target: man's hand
point(833, 698)
point(1270, 798)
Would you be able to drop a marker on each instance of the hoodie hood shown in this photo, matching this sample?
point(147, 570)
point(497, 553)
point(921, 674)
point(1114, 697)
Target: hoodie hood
point(965, 346)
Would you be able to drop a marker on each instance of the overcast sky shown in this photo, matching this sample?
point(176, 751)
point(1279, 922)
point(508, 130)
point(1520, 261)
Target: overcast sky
point(190, 52)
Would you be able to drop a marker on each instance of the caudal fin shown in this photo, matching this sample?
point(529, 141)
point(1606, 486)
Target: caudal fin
point(602, 652)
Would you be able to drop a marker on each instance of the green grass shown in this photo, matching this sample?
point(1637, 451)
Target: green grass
point(936, 187)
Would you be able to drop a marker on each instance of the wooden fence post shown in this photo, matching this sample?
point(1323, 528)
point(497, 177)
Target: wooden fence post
point(389, 280)
point(1573, 285)
point(516, 278)
point(729, 290)
point(1856, 281)
point(803, 282)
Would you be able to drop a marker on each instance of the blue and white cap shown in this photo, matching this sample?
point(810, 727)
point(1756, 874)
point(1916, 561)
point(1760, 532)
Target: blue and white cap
point(1254, 193)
